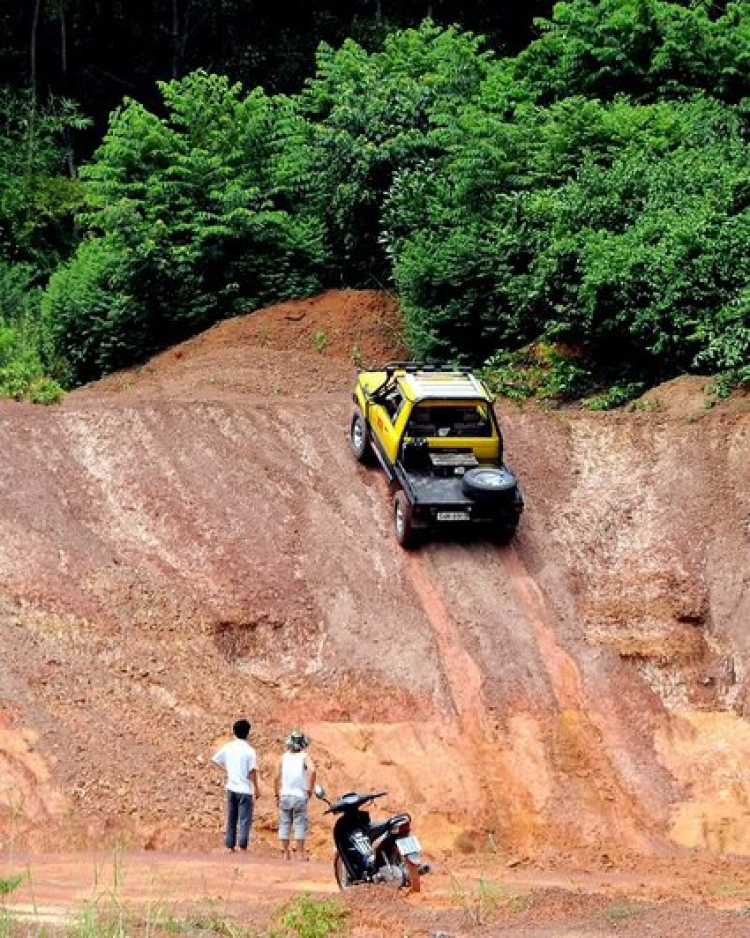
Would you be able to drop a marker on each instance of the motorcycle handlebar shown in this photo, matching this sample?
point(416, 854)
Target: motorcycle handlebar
point(353, 801)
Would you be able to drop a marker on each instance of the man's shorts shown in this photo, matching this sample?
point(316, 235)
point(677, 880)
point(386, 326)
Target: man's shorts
point(292, 813)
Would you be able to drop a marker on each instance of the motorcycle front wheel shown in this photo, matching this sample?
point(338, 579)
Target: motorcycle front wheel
point(341, 873)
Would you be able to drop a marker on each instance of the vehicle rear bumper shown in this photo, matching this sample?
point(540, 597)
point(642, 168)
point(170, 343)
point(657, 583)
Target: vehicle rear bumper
point(428, 514)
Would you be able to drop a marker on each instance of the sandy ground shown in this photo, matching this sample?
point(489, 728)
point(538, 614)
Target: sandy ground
point(192, 541)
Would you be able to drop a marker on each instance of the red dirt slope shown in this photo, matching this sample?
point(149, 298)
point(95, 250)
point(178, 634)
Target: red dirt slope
point(191, 541)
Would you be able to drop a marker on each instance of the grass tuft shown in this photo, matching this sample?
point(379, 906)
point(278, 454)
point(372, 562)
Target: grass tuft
point(306, 917)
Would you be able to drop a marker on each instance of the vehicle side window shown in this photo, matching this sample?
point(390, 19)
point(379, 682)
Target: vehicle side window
point(393, 402)
point(398, 411)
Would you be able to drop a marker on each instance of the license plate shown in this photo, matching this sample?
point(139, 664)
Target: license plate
point(408, 845)
point(453, 516)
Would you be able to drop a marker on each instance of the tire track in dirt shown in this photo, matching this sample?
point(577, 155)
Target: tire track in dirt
point(461, 672)
point(484, 750)
point(591, 729)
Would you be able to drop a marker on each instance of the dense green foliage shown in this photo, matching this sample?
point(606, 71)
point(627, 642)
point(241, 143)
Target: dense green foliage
point(593, 194)
point(196, 216)
point(647, 49)
point(372, 116)
point(97, 52)
point(580, 209)
point(37, 202)
point(618, 227)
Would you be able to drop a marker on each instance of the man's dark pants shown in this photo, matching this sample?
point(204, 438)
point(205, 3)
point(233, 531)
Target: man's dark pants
point(239, 809)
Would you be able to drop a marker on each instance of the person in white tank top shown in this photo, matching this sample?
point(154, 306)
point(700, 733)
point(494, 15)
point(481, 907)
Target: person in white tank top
point(294, 784)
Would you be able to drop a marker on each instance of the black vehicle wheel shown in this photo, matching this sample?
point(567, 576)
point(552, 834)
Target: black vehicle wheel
point(486, 482)
point(359, 437)
point(341, 873)
point(502, 533)
point(402, 521)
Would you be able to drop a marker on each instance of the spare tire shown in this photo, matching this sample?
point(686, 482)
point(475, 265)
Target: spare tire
point(489, 482)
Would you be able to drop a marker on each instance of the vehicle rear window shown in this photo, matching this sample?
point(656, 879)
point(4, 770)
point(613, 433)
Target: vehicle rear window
point(470, 420)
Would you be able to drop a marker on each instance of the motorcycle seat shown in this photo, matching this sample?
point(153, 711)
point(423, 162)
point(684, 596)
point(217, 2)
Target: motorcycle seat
point(375, 830)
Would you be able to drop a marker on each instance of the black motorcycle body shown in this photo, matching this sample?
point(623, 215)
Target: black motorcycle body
point(373, 852)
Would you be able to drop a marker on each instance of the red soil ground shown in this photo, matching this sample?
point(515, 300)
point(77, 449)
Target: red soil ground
point(565, 717)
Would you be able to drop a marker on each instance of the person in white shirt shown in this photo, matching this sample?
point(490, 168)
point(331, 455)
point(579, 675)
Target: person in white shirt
point(238, 760)
point(294, 784)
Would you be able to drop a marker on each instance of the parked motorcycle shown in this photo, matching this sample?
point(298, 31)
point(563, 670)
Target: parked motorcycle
point(367, 852)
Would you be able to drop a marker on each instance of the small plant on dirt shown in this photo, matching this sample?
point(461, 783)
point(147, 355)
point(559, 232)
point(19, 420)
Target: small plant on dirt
point(623, 912)
point(644, 405)
point(480, 902)
point(8, 924)
point(264, 336)
point(45, 391)
point(356, 356)
point(9, 884)
point(160, 919)
point(95, 922)
point(306, 917)
point(320, 341)
point(208, 925)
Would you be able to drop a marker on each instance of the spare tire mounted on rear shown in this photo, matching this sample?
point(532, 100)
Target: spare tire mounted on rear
point(486, 482)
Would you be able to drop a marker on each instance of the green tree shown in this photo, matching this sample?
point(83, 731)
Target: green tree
point(372, 115)
point(37, 198)
point(616, 227)
point(37, 205)
point(197, 215)
point(643, 48)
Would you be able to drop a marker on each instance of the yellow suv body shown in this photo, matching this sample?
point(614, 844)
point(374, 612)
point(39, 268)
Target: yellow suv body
point(435, 433)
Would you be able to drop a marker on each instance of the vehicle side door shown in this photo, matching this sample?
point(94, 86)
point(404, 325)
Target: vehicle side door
point(386, 416)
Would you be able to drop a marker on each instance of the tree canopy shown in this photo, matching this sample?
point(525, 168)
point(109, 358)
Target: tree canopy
point(586, 192)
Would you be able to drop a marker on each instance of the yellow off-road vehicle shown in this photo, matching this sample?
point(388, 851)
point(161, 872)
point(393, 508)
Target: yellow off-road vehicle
point(435, 433)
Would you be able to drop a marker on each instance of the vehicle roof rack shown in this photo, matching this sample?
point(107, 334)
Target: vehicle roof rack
point(412, 366)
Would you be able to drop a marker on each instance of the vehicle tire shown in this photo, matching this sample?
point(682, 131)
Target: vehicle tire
point(402, 521)
point(359, 437)
point(488, 482)
point(502, 533)
point(341, 873)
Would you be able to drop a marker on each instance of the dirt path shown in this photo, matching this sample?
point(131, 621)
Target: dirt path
point(172, 893)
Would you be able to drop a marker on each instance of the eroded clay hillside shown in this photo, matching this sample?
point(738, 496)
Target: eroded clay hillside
point(192, 541)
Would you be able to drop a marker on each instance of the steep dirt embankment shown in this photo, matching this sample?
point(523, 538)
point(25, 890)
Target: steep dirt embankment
point(192, 541)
